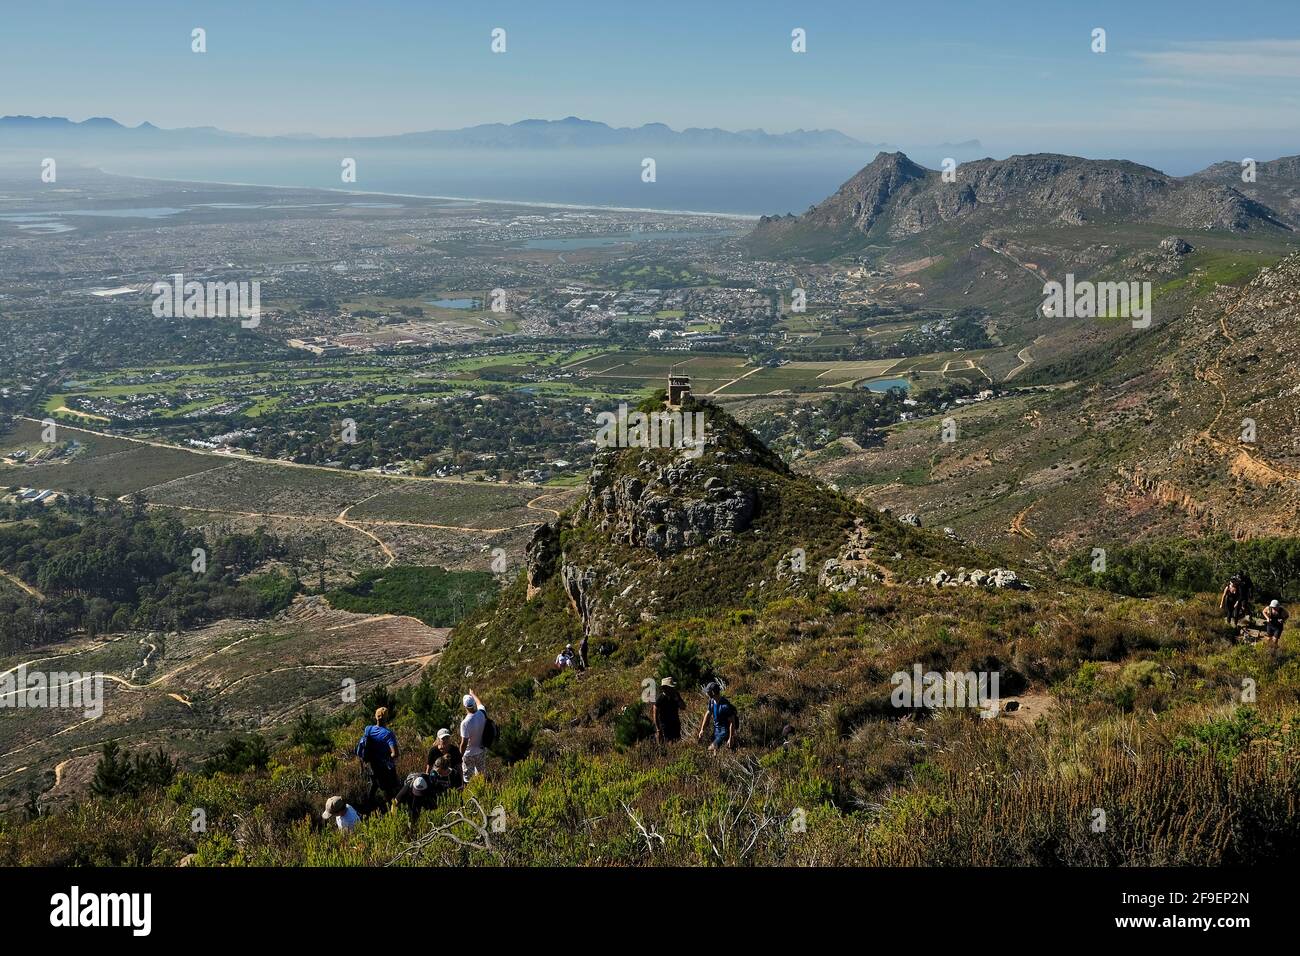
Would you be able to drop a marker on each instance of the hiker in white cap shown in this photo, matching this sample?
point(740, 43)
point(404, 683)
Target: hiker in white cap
point(416, 794)
point(341, 812)
point(1275, 616)
point(445, 747)
point(474, 736)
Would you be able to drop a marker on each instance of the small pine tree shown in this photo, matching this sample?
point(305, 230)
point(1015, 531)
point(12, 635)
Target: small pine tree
point(112, 773)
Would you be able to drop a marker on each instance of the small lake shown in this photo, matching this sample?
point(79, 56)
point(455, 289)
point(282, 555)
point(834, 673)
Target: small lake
point(455, 303)
point(885, 384)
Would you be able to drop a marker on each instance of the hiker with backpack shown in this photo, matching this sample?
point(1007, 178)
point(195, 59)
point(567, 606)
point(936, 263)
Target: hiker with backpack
point(417, 794)
point(1275, 616)
point(477, 734)
point(564, 659)
point(666, 712)
point(377, 751)
point(725, 719)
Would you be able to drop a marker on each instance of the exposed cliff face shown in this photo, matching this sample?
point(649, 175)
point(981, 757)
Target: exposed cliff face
point(666, 508)
point(894, 198)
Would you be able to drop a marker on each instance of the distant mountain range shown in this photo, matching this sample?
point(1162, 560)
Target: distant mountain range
point(530, 133)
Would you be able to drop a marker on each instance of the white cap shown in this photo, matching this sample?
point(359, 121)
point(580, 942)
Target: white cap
point(419, 784)
point(444, 733)
point(1273, 603)
point(468, 701)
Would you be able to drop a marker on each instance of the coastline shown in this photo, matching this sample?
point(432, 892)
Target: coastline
point(532, 204)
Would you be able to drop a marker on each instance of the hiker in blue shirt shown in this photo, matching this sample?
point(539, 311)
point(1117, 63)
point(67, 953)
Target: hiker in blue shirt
point(724, 717)
point(377, 751)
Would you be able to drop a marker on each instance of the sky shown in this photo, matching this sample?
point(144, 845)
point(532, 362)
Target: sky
point(1015, 75)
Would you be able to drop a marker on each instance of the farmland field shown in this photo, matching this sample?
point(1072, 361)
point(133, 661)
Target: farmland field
point(105, 465)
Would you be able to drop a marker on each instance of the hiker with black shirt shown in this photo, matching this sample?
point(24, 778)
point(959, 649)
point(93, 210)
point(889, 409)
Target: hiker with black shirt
point(724, 717)
point(377, 751)
point(666, 712)
point(1275, 616)
point(1231, 603)
point(418, 793)
point(445, 748)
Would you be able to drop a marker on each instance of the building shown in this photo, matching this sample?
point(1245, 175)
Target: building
point(679, 386)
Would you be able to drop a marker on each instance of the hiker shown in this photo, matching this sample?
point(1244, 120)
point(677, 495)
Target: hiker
point(444, 778)
point(341, 812)
point(582, 653)
point(1231, 603)
point(1246, 586)
point(473, 737)
point(1275, 616)
point(417, 794)
point(377, 751)
point(445, 748)
point(666, 712)
point(724, 717)
point(565, 658)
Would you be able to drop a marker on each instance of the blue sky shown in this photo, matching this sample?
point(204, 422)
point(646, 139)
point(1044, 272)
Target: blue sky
point(1015, 75)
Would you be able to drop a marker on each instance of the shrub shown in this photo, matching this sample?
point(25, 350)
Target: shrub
point(632, 725)
point(239, 755)
point(683, 662)
point(514, 741)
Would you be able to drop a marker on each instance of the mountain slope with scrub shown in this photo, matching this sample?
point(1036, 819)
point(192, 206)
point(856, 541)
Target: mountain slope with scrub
point(1151, 710)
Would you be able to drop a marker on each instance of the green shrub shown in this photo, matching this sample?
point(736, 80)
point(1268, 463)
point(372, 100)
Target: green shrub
point(632, 725)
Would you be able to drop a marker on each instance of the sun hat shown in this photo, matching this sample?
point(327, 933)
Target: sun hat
point(444, 734)
point(667, 682)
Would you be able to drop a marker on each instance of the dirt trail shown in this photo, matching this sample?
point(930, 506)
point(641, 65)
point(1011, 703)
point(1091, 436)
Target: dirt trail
point(21, 584)
point(1244, 462)
point(1018, 524)
point(1026, 359)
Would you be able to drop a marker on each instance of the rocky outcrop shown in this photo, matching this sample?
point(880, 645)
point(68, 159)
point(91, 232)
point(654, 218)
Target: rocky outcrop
point(666, 507)
point(541, 556)
point(993, 578)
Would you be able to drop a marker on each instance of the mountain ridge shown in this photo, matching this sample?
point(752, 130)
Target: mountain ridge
point(893, 198)
point(569, 131)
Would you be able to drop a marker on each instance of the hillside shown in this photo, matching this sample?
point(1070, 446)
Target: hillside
point(682, 566)
point(1129, 441)
point(1276, 184)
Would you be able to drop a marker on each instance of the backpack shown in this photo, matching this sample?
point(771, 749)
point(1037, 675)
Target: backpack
point(369, 749)
point(490, 732)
